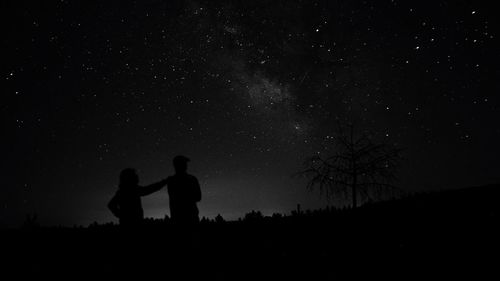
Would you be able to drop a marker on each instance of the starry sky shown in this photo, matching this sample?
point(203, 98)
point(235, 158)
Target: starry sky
point(246, 89)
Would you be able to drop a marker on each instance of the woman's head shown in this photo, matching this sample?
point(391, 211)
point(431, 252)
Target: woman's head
point(128, 178)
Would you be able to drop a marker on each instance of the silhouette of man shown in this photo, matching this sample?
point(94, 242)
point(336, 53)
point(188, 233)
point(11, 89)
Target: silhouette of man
point(126, 204)
point(183, 192)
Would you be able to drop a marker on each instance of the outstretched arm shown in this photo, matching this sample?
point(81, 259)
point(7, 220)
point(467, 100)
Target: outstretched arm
point(114, 207)
point(146, 190)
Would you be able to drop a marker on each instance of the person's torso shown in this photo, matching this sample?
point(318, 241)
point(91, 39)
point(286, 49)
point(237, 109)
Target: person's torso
point(181, 189)
point(130, 203)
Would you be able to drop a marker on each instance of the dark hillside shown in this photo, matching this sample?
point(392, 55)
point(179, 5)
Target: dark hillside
point(448, 231)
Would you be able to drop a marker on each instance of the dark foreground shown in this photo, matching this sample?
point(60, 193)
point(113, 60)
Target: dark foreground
point(444, 234)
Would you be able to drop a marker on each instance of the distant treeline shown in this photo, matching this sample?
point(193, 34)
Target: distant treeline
point(457, 204)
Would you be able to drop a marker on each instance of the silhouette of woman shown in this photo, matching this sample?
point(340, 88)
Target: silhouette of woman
point(126, 204)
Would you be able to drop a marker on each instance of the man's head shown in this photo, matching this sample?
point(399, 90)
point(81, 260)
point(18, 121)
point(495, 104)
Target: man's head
point(180, 163)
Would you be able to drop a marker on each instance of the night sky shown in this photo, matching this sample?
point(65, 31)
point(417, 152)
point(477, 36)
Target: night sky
point(246, 89)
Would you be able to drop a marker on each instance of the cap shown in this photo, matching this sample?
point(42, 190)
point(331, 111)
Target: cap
point(181, 158)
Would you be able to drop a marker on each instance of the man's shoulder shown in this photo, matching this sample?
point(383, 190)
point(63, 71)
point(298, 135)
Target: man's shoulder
point(170, 179)
point(192, 178)
point(181, 178)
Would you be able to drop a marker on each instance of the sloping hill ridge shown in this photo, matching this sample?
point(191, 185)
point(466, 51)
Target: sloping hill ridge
point(471, 201)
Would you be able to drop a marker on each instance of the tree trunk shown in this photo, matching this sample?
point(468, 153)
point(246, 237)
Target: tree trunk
point(354, 199)
point(354, 170)
point(354, 191)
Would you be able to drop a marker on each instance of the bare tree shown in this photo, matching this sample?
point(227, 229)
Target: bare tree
point(358, 167)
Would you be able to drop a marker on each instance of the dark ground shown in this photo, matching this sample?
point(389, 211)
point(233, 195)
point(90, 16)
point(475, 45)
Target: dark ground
point(446, 234)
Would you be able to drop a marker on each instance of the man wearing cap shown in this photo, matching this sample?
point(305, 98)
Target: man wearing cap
point(183, 192)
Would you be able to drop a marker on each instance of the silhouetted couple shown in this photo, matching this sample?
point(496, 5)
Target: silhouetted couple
point(183, 192)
